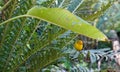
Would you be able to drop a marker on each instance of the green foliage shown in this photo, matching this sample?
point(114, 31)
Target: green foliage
point(12, 36)
point(110, 19)
point(29, 44)
point(65, 19)
point(91, 10)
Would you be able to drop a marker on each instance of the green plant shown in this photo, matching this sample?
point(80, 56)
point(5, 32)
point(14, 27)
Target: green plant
point(23, 49)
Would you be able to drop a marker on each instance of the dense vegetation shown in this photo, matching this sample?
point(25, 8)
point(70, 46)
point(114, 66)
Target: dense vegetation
point(39, 35)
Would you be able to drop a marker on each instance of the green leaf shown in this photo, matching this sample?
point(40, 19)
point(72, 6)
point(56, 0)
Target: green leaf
point(67, 20)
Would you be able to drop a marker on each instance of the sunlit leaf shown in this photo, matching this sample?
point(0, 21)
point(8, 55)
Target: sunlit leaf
point(67, 20)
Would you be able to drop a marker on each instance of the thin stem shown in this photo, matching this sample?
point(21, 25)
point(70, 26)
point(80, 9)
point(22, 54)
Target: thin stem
point(11, 19)
point(5, 5)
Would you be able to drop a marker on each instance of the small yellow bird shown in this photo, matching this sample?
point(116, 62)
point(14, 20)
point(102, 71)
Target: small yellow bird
point(78, 45)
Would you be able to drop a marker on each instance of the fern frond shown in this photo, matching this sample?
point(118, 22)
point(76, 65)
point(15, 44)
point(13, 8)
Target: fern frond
point(14, 31)
point(21, 46)
point(90, 13)
point(58, 45)
point(52, 36)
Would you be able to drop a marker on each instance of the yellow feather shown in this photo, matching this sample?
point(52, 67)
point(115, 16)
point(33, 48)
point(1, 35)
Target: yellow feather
point(78, 45)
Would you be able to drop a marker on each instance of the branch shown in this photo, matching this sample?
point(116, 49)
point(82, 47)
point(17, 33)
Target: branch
point(116, 46)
